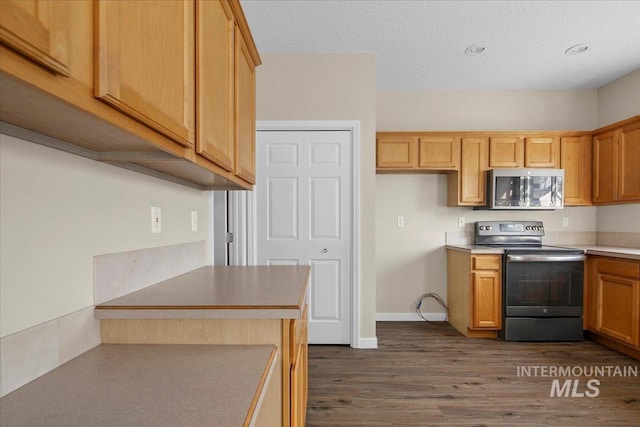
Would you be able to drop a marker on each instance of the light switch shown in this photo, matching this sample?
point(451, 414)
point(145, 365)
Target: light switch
point(400, 221)
point(461, 221)
point(565, 221)
point(156, 219)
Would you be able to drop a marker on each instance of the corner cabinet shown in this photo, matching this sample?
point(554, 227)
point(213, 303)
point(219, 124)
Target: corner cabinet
point(616, 154)
point(164, 88)
point(613, 302)
point(474, 293)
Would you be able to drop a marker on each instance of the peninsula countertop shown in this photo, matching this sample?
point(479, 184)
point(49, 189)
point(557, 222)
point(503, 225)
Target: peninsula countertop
point(147, 385)
point(217, 292)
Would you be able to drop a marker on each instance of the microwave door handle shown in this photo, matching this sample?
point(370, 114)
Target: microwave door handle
point(526, 185)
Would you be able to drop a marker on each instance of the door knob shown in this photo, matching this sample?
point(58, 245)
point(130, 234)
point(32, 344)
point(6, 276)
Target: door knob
point(324, 251)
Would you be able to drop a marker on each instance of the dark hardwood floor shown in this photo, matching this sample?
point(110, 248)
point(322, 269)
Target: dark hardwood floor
point(430, 375)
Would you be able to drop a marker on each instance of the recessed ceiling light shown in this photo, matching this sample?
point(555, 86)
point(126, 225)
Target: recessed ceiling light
point(474, 49)
point(579, 48)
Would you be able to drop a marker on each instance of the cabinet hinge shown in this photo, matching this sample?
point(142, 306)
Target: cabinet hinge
point(229, 238)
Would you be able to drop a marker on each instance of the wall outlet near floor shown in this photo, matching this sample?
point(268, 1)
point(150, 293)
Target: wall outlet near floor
point(461, 222)
point(156, 219)
point(194, 220)
point(565, 221)
point(400, 221)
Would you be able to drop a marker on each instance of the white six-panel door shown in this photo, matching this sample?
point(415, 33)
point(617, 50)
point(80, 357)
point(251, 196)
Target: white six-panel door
point(304, 218)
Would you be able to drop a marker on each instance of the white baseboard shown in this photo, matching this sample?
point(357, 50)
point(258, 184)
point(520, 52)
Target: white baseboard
point(409, 317)
point(366, 343)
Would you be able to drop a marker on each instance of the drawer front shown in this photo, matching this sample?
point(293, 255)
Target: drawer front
point(619, 267)
point(486, 262)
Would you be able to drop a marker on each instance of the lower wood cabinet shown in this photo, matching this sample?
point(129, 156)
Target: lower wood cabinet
point(612, 302)
point(474, 293)
point(299, 377)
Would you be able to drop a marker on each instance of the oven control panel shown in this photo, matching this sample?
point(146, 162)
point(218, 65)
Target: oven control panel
point(509, 228)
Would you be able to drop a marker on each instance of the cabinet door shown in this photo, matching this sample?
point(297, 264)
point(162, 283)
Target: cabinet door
point(215, 82)
point(605, 167)
point(38, 29)
point(439, 152)
point(245, 111)
point(399, 153)
point(575, 159)
point(473, 167)
point(487, 300)
point(618, 308)
point(144, 63)
point(506, 152)
point(629, 163)
point(542, 152)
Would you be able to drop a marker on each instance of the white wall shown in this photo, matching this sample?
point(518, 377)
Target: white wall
point(331, 87)
point(58, 210)
point(411, 261)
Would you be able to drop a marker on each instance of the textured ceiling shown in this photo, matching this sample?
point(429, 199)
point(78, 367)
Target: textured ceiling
point(419, 45)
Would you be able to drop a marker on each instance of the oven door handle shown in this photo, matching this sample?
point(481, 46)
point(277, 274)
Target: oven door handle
point(545, 258)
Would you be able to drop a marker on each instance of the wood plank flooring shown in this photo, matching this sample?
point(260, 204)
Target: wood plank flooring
point(430, 375)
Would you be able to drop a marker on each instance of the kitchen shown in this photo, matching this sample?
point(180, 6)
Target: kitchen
point(93, 209)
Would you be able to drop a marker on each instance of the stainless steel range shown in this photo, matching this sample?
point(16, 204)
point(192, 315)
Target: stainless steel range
point(541, 285)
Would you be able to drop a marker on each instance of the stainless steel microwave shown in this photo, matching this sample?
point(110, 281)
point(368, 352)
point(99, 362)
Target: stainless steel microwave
point(525, 189)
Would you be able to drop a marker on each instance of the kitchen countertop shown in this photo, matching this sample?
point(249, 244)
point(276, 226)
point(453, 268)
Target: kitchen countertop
point(217, 292)
point(147, 385)
point(627, 253)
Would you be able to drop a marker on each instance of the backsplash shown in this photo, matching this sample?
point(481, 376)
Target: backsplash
point(620, 240)
point(121, 273)
point(28, 354)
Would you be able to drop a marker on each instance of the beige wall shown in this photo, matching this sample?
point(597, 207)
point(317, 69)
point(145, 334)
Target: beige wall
point(619, 99)
point(411, 261)
point(331, 87)
point(487, 110)
point(59, 210)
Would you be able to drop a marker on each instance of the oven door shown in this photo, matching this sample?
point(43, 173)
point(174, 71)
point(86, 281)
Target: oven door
point(543, 285)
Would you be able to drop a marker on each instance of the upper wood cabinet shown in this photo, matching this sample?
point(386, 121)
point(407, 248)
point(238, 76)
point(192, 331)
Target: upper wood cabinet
point(616, 156)
point(439, 152)
point(38, 29)
point(629, 163)
point(216, 82)
point(245, 103)
point(404, 151)
point(467, 187)
point(397, 152)
point(542, 152)
point(506, 152)
point(144, 63)
point(139, 75)
point(575, 159)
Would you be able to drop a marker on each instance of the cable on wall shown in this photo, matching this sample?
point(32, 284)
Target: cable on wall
point(439, 300)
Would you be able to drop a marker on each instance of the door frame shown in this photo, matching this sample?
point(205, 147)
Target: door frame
point(353, 126)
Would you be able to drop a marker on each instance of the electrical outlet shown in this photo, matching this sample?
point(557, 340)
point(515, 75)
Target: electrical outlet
point(194, 220)
point(461, 221)
point(156, 219)
point(400, 221)
point(565, 221)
